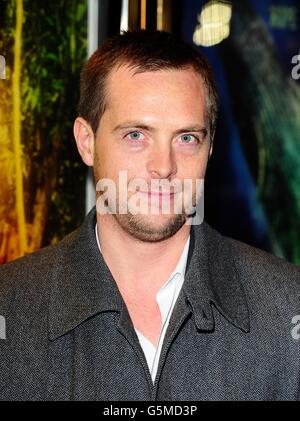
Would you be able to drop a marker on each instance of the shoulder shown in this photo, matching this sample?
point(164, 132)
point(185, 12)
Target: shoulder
point(34, 276)
point(30, 277)
point(261, 274)
point(25, 285)
point(252, 260)
point(269, 282)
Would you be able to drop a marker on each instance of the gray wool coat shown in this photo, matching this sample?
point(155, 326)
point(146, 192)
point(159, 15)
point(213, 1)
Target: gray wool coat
point(66, 333)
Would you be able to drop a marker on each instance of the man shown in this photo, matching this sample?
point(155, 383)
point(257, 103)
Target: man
point(148, 305)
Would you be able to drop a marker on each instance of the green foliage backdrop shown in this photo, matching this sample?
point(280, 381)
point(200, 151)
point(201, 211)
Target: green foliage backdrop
point(53, 37)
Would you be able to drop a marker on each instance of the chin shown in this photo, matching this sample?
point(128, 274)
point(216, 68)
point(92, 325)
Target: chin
point(151, 228)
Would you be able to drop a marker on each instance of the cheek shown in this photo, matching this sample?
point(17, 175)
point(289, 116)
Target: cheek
point(192, 168)
point(110, 162)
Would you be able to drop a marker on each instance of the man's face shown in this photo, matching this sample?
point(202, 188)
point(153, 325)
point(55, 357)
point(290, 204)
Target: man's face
point(154, 128)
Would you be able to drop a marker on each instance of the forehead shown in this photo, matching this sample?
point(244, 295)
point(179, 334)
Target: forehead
point(165, 91)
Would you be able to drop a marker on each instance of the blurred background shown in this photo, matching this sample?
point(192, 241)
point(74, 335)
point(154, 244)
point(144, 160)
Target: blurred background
point(253, 183)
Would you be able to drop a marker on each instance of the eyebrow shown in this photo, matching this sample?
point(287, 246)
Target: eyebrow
point(140, 125)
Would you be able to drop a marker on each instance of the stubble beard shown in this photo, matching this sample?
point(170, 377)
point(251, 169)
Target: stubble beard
point(138, 227)
point(142, 227)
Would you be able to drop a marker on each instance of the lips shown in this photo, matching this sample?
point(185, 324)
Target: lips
point(150, 193)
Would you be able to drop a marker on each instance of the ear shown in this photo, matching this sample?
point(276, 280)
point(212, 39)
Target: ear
point(85, 140)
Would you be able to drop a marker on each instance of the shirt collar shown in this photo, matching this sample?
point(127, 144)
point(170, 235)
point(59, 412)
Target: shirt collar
point(82, 284)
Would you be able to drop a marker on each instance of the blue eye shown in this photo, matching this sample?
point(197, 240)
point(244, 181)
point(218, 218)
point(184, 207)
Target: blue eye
point(188, 138)
point(135, 135)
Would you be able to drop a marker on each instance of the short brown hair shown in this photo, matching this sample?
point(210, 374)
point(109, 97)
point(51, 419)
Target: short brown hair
point(144, 51)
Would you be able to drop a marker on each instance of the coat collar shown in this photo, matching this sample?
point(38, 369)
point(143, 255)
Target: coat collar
point(212, 279)
point(83, 285)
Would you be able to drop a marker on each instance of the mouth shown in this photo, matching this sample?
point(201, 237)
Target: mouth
point(158, 194)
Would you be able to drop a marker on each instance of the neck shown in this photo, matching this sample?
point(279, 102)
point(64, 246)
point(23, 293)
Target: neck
point(137, 264)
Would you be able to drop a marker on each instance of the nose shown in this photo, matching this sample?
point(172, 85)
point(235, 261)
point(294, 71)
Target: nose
point(162, 163)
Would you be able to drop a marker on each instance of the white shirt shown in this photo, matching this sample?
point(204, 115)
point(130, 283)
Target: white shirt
point(166, 299)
